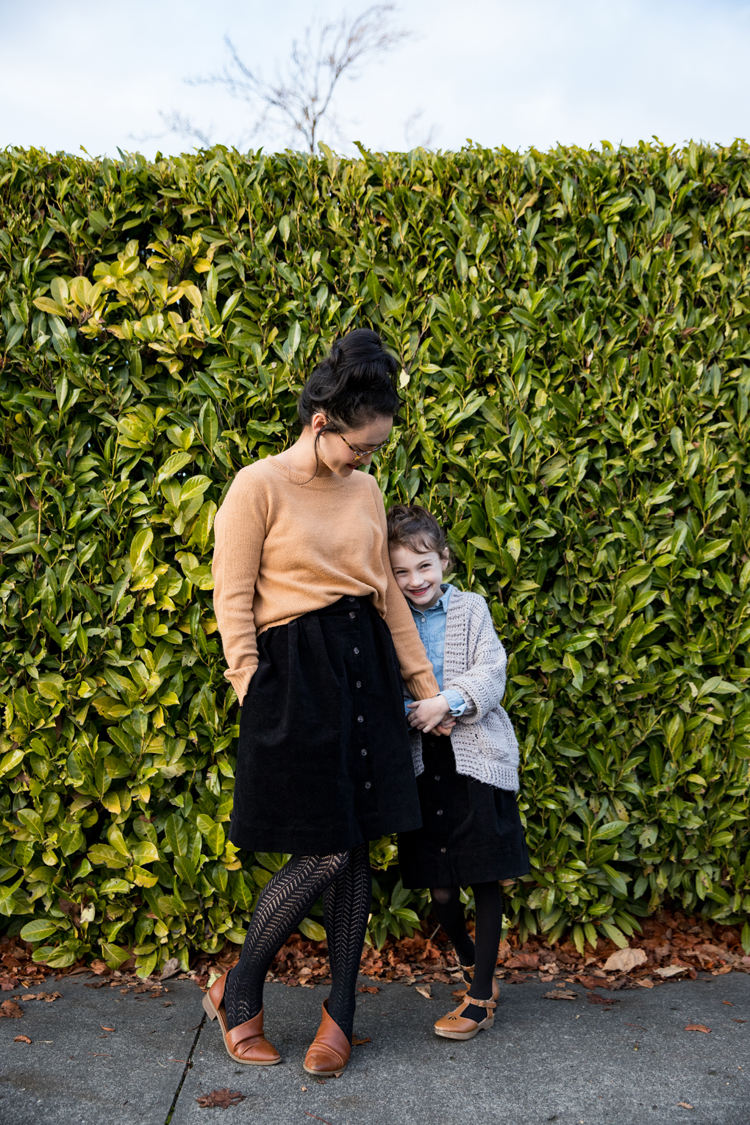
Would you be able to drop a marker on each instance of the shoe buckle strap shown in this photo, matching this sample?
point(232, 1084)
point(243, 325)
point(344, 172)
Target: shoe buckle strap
point(481, 1003)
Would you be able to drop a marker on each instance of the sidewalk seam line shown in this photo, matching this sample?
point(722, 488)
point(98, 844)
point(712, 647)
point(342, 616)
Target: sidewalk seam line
point(185, 1071)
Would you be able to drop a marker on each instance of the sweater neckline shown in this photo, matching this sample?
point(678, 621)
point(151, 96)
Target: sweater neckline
point(319, 484)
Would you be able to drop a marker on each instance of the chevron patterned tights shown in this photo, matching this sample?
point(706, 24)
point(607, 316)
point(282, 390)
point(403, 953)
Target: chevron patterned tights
point(283, 903)
point(347, 907)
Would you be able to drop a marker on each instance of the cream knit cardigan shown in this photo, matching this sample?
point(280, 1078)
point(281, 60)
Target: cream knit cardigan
point(484, 743)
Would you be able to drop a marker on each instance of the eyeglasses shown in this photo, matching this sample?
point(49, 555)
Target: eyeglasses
point(358, 453)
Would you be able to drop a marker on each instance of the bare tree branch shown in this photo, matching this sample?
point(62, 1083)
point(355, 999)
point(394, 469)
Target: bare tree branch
point(300, 97)
point(176, 122)
point(413, 127)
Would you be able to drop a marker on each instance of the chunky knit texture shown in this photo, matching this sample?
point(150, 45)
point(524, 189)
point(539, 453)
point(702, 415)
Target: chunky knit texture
point(286, 546)
point(484, 742)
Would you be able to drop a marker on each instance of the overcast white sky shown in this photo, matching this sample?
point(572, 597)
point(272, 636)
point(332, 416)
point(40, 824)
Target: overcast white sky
point(512, 72)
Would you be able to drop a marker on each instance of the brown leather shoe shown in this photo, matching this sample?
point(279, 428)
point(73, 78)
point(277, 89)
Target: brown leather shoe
point(457, 1026)
point(246, 1042)
point(330, 1049)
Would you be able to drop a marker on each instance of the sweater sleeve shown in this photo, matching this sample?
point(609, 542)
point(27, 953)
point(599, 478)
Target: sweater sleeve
point(416, 669)
point(483, 683)
point(240, 530)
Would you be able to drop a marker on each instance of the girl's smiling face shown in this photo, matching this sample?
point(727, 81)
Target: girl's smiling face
point(419, 574)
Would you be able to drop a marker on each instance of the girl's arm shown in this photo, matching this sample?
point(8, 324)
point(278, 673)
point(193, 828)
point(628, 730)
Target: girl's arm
point(240, 530)
point(482, 685)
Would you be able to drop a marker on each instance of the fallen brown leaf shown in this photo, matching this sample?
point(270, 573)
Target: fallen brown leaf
point(738, 1021)
point(424, 990)
point(561, 994)
point(101, 968)
point(698, 1027)
point(220, 1099)
point(22, 1039)
point(728, 1002)
point(171, 967)
point(358, 1042)
point(459, 993)
point(368, 988)
point(10, 1010)
point(671, 970)
point(522, 961)
point(595, 998)
point(645, 983)
point(685, 1105)
point(623, 960)
point(47, 996)
point(101, 1025)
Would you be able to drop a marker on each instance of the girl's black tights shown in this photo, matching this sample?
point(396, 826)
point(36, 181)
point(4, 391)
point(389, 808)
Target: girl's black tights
point(447, 908)
point(285, 900)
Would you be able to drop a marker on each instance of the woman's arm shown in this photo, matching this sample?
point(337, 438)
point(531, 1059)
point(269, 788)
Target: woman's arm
point(240, 530)
point(482, 685)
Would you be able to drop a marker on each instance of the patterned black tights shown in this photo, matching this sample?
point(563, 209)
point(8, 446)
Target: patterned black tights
point(282, 904)
point(347, 908)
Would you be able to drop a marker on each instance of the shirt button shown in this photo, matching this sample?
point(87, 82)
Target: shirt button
point(437, 777)
point(356, 652)
point(364, 752)
point(360, 718)
point(368, 785)
point(352, 599)
point(443, 851)
point(440, 812)
point(352, 615)
point(359, 683)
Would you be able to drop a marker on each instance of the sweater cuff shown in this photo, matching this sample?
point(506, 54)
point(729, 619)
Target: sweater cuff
point(240, 681)
point(423, 686)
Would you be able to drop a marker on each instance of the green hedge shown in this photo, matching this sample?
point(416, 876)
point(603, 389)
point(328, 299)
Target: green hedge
point(573, 333)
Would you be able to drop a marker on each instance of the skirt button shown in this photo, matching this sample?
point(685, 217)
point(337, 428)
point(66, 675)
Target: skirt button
point(443, 851)
point(360, 718)
point(352, 615)
point(440, 812)
point(368, 785)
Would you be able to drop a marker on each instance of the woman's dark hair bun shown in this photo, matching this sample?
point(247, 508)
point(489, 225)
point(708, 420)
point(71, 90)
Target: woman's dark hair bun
point(355, 382)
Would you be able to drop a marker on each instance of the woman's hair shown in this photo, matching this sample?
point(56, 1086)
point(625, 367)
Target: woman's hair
point(354, 384)
point(415, 528)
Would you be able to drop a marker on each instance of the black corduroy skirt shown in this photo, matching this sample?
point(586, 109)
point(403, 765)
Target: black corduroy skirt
point(324, 762)
point(471, 832)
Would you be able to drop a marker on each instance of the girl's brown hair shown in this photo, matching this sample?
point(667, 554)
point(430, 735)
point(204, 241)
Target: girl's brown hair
point(415, 528)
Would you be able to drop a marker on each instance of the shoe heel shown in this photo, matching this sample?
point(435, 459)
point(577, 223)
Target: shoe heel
point(209, 1008)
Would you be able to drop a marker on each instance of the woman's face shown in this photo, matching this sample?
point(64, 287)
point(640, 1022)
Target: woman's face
point(338, 451)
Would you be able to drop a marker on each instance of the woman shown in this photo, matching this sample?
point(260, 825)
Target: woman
point(314, 630)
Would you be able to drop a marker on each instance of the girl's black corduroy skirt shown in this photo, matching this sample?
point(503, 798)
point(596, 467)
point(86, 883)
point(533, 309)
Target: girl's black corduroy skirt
point(324, 762)
point(472, 832)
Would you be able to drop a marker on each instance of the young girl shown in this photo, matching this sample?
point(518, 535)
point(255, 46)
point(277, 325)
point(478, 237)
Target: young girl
point(471, 832)
point(315, 630)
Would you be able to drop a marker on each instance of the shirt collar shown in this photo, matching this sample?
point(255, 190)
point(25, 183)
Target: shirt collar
point(441, 604)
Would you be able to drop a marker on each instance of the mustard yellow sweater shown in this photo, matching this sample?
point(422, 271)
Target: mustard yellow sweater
point(285, 547)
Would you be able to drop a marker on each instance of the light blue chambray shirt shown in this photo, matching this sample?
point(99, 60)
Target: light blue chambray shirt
point(431, 626)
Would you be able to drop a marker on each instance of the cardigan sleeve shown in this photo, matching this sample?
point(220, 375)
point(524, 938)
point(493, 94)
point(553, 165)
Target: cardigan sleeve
point(416, 668)
point(482, 684)
point(240, 531)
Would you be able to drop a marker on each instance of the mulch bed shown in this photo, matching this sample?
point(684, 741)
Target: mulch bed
point(675, 947)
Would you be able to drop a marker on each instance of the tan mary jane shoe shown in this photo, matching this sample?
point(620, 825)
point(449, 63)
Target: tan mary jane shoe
point(330, 1049)
point(457, 1026)
point(246, 1042)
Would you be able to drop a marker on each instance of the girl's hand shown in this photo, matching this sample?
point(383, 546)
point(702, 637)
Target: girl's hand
point(428, 713)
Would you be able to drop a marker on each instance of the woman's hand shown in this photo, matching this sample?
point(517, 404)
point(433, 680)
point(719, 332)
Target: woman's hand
point(428, 714)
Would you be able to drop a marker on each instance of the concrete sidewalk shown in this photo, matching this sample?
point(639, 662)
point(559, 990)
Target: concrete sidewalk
point(568, 1062)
